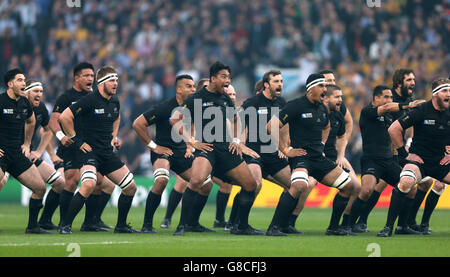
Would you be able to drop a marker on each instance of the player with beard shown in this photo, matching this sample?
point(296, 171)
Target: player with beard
point(404, 86)
point(339, 159)
point(99, 117)
point(308, 131)
point(403, 89)
point(215, 155)
point(83, 74)
point(377, 161)
point(255, 112)
point(51, 176)
point(428, 155)
point(17, 123)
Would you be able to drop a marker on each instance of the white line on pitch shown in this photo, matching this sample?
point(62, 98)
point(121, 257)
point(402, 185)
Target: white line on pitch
point(64, 243)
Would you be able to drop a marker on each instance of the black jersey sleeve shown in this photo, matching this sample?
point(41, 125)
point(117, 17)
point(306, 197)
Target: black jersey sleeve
point(288, 112)
point(29, 109)
point(153, 115)
point(341, 130)
point(411, 117)
point(370, 112)
point(45, 116)
point(61, 104)
point(343, 109)
point(82, 106)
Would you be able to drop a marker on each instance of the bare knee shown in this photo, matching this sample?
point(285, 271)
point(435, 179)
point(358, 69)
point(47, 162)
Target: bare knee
point(159, 185)
point(39, 190)
point(439, 187)
point(365, 193)
point(206, 188)
point(297, 188)
point(72, 180)
point(130, 190)
point(225, 188)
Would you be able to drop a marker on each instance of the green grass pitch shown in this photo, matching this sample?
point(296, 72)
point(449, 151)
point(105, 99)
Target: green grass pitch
point(313, 243)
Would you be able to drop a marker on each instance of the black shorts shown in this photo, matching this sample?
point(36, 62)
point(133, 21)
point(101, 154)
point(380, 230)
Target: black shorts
point(334, 158)
point(318, 167)
point(432, 168)
point(382, 168)
point(221, 159)
point(71, 156)
point(105, 161)
point(270, 164)
point(178, 163)
point(14, 162)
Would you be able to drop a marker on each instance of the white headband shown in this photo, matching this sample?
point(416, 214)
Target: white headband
point(441, 87)
point(315, 83)
point(34, 85)
point(107, 77)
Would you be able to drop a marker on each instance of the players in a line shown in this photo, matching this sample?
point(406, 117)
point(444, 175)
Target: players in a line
point(34, 92)
point(99, 117)
point(402, 90)
point(218, 153)
point(340, 118)
point(428, 154)
point(308, 131)
point(17, 123)
point(167, 154)
point(377, 161)
point(83, 74)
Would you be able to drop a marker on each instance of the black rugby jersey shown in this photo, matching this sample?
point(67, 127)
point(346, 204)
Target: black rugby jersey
point(211, 110)
point(13, 115)
point(255, 113)
point(306, 122)
point(160, 116)
point(69, 97)
point(337, 129)
point(399, 99)
point(374, 133)
point(431, 130)
point(96, 115)
point(42, 119)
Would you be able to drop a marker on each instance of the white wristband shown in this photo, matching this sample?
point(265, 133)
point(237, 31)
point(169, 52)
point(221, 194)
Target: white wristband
point(152, 145)
point(60, 135)
point(236, 140)
point(408, 142)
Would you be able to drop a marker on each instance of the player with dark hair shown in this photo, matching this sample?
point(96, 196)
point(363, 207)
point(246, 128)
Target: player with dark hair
point(331, 147)
point(428, 155)
point(180, 185)
point(262, 160)
point(83, 74)
point(166, 153)
point(215, 154)
point(309, 127)
point(99, 117)
point(17, 123)
point(259, 86)
point(377, 161)
point(403, 87)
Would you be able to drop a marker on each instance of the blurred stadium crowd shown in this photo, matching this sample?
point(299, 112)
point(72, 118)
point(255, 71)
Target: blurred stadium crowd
point(150, 42)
